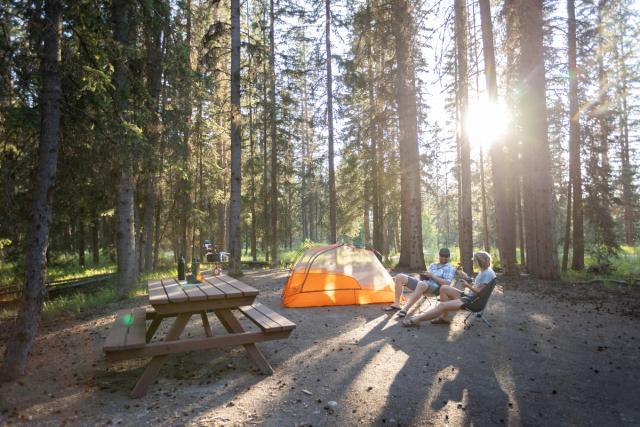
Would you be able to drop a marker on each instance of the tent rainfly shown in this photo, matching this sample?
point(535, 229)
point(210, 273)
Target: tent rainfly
point(337, 275)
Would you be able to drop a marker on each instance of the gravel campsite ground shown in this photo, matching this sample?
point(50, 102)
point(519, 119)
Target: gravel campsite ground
point(557, 354)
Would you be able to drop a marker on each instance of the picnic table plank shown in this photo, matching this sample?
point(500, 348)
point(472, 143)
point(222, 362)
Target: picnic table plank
point(155, 284)
point(128, 330)
point(174, 291)
point(137, 330)
point(243, 287)
point(264, 322)
point(210, 291)
point(229, 291)
point(157, 295)
point(118, 331)
point(284, 323)
point(194, 293)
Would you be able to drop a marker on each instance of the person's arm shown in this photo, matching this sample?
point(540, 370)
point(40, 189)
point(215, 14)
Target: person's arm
point(473, 286)
point(446, 279)
point(440, 280)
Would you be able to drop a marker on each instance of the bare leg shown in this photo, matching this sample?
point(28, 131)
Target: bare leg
point(439, 310)
point(421, 288)
point(448, 293)
point(400, 281)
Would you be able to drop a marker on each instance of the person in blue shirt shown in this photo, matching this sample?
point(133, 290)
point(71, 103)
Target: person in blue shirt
point(452, 299)
point(439, 274)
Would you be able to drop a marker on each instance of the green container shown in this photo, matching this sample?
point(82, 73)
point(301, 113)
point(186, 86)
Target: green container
point(195, 267)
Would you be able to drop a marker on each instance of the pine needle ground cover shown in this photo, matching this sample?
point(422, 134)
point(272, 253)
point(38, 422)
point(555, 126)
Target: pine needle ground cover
point(557, 354)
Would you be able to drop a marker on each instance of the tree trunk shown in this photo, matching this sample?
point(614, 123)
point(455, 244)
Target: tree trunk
point(157, 235)
point(538, 184)
point(155, 18)
point(125, 195)
point(332, 174)
point(138, 231)
point(575, 169)
point(567, 229)
point(275, 256)
point(374, 149)
point(365, 217)
point(158, 231)
point(252, 150)
point(95, 241)
point(466, 219)
point(25, 328)
point(265, 169)
point(485, 220)
point(627, 170)
point(81, 242)
point(504, 182)
point(411, 254)
point(306, 164)
point(186, 202)
point(381, 148)
point(523, 258)
point(235, 243)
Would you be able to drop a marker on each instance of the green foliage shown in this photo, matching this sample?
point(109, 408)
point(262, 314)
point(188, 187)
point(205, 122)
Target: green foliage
point(288, 258)
point(3, 243)
point(80, 302)
point(9, 275)
point(603, 253)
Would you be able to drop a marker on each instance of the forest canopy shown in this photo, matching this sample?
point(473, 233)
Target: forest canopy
point(398, 125)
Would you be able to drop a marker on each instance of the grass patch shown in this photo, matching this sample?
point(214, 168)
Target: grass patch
point(80, 301)
point(63, 267)
point(625, 266)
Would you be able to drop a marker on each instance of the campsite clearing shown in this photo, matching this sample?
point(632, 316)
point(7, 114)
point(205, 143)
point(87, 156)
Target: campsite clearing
point(557, 354)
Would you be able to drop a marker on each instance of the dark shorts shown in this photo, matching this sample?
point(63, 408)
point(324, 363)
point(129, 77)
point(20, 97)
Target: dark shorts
point(466, 300)
point(412, 283)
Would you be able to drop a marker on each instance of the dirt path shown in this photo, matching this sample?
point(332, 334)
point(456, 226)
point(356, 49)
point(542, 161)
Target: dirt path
point(557, 354)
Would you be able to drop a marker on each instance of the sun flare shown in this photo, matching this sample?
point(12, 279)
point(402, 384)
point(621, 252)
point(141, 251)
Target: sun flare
point(486, 122)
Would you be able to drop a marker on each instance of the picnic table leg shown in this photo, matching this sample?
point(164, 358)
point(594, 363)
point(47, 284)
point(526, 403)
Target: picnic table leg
point(205, 324)
point(232, 325)
point(153, 367)
point(155, 323)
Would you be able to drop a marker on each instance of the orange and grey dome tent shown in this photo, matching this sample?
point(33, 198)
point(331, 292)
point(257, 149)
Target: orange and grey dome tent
point(337, 275)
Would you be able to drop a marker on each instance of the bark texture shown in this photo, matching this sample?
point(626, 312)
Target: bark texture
point(575, 168)
point(154, 85)
point(332, 174)
point(25, 328)
point(411, 254)
point(235, 244)
point(537, 180)
point(127, 265)
point(501, 152)
point(275, 256)
point(466, 219)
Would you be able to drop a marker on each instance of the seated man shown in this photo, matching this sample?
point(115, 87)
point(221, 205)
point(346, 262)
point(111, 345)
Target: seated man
point(438, 274)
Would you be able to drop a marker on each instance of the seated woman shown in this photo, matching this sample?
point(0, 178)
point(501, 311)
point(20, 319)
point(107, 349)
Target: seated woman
point(451, 299)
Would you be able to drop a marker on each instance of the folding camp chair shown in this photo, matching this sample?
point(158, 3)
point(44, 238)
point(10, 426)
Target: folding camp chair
point(435, 297)
point(478, 304)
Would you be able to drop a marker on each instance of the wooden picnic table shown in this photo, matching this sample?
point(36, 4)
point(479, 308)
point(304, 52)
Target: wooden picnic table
point(131, 338)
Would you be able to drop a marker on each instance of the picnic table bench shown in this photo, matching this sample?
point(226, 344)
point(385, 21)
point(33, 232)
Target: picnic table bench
point(130, 336)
